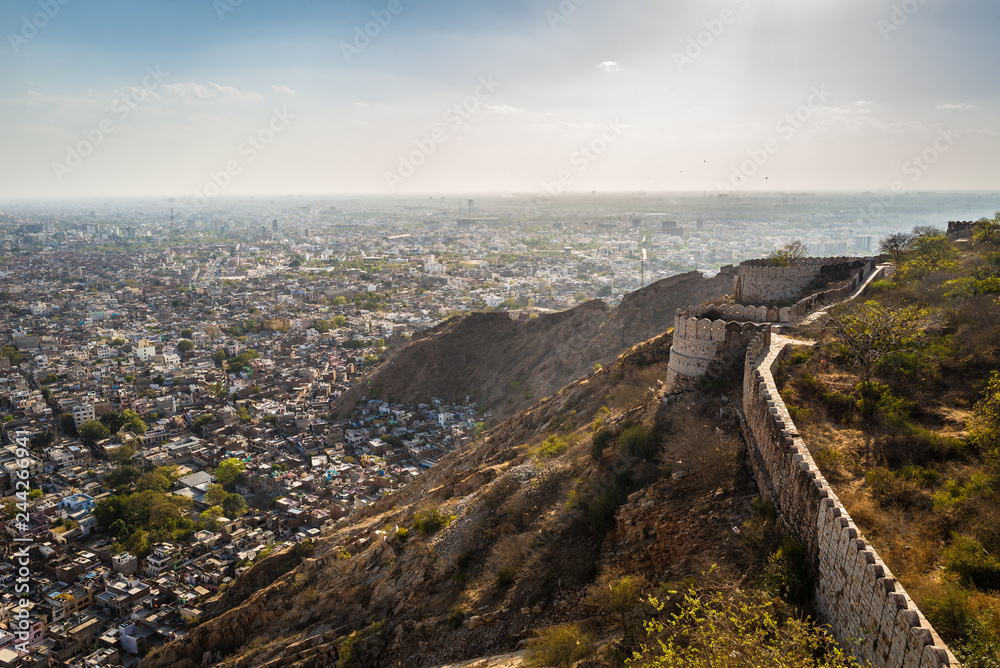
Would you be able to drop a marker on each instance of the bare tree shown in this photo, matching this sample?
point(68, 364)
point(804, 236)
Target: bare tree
point(896, 245)
point(872, 330)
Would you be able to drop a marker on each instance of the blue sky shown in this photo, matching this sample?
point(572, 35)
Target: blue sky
point(597, 95)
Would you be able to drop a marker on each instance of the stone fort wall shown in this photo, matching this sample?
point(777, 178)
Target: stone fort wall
point(710, 339)
point(704, 347)
point(856, 593)
point(760, 281)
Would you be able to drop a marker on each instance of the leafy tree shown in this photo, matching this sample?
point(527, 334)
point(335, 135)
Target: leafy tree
point(321, 326)
point(187, 333)
point(113, 421)
point(219, 356)
point(202, 420)
point(234, 506)
point(872, 330)
point(35, 494)
point(229, 470)
point(43, 439)
point(123, 474)
point(339, 321)
point(93, 431)
point(896, 245)
point(988, 229)
point(215, 495)
point(123, 454)
point(210, 518)
point(787, 253)
point(927, 231)
point(930, 253)
point(48, 379)
point(244, 414)
point(133, 423)
point(159, 479)
point(984, 426)
point(12, 354)
point(339, 301)
point(185, 346)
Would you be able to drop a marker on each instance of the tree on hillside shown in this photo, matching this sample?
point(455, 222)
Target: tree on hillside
point(872, 330)
point(896, 245)
point(988, 229)
point(931, 253)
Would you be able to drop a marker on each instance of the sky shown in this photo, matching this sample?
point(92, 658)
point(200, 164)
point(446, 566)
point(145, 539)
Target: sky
point(209, 98)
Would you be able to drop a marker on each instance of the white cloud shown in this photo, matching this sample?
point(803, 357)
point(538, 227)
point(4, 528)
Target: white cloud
point(500, 109)
point(213, 92)
point(961, 105)
point(284, 90)
point(608, 66)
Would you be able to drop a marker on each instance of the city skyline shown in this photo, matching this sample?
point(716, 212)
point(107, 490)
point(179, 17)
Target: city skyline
point(214, 99)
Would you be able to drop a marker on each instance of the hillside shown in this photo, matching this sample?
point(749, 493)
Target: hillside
point(474, 557)
point(505, 364)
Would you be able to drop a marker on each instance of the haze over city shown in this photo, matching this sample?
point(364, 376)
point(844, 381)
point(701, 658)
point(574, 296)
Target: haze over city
point(411, 96)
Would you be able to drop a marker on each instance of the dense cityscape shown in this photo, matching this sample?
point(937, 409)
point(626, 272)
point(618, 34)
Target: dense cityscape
point(169, 382)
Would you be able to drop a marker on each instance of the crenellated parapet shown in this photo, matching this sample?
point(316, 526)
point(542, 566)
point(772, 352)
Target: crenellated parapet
point(702, 346)
point(764, 281)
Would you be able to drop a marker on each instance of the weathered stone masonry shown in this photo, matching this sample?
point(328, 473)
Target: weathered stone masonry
point(856, 594)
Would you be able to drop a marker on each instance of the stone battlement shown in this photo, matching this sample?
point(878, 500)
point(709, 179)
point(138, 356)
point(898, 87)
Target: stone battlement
point(761, 281)
point(855, 593)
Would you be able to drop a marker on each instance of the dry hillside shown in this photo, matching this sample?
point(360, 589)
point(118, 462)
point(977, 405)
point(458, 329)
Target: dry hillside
point(506, 364)
point(533, 515)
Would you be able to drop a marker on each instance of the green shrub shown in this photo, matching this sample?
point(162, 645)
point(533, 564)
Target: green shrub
point(637, 441)
point(889, 489)
point(553, 446)
point(920, 475)
point(456, 618)
point(506, 576)
point(559, 646)
point(402, 533)
point(601, 510)
point(787, 572)
point(969, 560)
point(949, 611)
point(429, 521)
point(597, 445)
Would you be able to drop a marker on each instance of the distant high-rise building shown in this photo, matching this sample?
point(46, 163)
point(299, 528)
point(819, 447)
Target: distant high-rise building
point(274, 224)
point(863, 243)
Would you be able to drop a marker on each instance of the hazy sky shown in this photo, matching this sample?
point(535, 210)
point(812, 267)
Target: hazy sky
point(186, 97)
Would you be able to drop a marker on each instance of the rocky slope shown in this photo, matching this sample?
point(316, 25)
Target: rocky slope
point(506, 364)
point(519, 553)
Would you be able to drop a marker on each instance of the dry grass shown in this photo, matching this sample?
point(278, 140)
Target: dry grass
point(693, 444)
